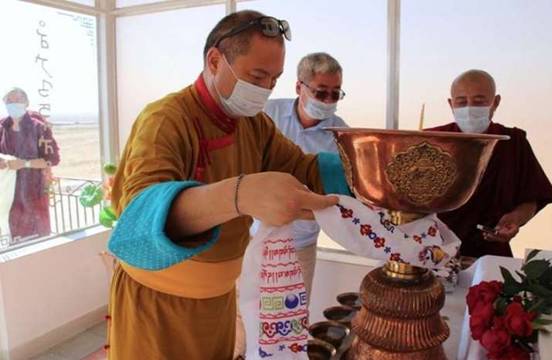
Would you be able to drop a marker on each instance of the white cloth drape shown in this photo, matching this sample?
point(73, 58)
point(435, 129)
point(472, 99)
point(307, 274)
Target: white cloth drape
point(273, 299)
point(368, 231)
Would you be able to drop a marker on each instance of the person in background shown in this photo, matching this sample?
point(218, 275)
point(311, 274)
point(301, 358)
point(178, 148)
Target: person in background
point(514, 187)
point(302, 120)
point(27, 136)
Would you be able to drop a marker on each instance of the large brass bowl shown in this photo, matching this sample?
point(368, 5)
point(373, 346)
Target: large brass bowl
point(411, 173)
point(414, 171)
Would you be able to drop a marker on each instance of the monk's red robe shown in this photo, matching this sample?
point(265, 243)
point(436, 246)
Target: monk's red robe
point(513, 176)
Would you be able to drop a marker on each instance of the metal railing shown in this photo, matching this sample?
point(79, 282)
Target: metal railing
point(67, 214)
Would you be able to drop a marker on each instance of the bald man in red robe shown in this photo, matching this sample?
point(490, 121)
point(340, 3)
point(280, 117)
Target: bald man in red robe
point(514, 187)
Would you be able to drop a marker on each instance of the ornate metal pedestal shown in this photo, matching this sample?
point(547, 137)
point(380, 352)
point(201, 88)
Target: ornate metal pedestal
point(399, 318)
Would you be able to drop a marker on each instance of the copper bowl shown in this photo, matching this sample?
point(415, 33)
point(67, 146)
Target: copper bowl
point(341, 314)
point(415, 172)
point(351, 299)
point(331, 332)
point(320, 350)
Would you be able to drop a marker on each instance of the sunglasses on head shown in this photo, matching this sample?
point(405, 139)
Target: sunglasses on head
point(323, 94)
point(269, 26)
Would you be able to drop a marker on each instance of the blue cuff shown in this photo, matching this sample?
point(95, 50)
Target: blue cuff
point(139, 237)
point(332, 174)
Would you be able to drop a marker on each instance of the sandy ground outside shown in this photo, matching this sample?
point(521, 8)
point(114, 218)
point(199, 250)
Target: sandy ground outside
point(79, 152)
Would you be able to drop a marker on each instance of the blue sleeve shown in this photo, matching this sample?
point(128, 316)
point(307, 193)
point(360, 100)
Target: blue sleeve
point(341, 122)
point(139, 237)
point(332, 174)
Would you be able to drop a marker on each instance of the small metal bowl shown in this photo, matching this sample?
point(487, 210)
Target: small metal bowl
point(331, 332)
point(342, 314)
point(351, 299)
point(320, 350)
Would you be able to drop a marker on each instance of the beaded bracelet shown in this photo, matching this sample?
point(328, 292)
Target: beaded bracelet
point(238, 182)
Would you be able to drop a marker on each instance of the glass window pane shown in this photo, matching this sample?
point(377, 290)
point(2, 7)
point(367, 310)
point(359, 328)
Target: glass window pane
point(52, 57)
point(157, 54)
point(508, 38)
point(355, 34)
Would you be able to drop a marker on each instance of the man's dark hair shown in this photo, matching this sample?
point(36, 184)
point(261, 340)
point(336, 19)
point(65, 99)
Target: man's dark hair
point(237, 44)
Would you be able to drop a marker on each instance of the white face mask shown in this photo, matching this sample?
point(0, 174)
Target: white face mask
point(246, 99)
point(16, 110)
point(472, 119)
point(319, 110)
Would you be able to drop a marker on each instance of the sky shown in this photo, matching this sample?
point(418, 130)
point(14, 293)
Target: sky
point(65, 43)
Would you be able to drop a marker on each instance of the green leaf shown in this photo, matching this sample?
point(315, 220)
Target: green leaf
point(107, 217)
point(539, 305)
point(110, 168)
point(531, 255)
point(500, 304)
point(541, 321)
point(91, 195)
point(547, 311)
point(525, 344)
point(511, 286)
point(533, 338)
point(546, 278)
point(534, 269)
point(539, 290)
point(521, 275)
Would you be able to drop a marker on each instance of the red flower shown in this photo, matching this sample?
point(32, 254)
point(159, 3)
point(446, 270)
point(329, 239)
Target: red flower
point(513, 352)
point(365, 229)
point(379, 242)
point(346, 213)
point(485, 292)
point(395, 257)
point(418, 239)
point(431, 231)
point(481, 320)
point(496, 339)
point(518, 321)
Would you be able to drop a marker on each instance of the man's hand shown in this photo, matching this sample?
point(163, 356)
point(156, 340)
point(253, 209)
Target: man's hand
point(508, 225)
point(3, 164)
point(279, 198)
point(506, 229)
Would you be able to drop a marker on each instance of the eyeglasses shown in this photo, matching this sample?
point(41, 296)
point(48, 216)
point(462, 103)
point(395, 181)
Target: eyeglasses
point(269, 26)
point(322, 94)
